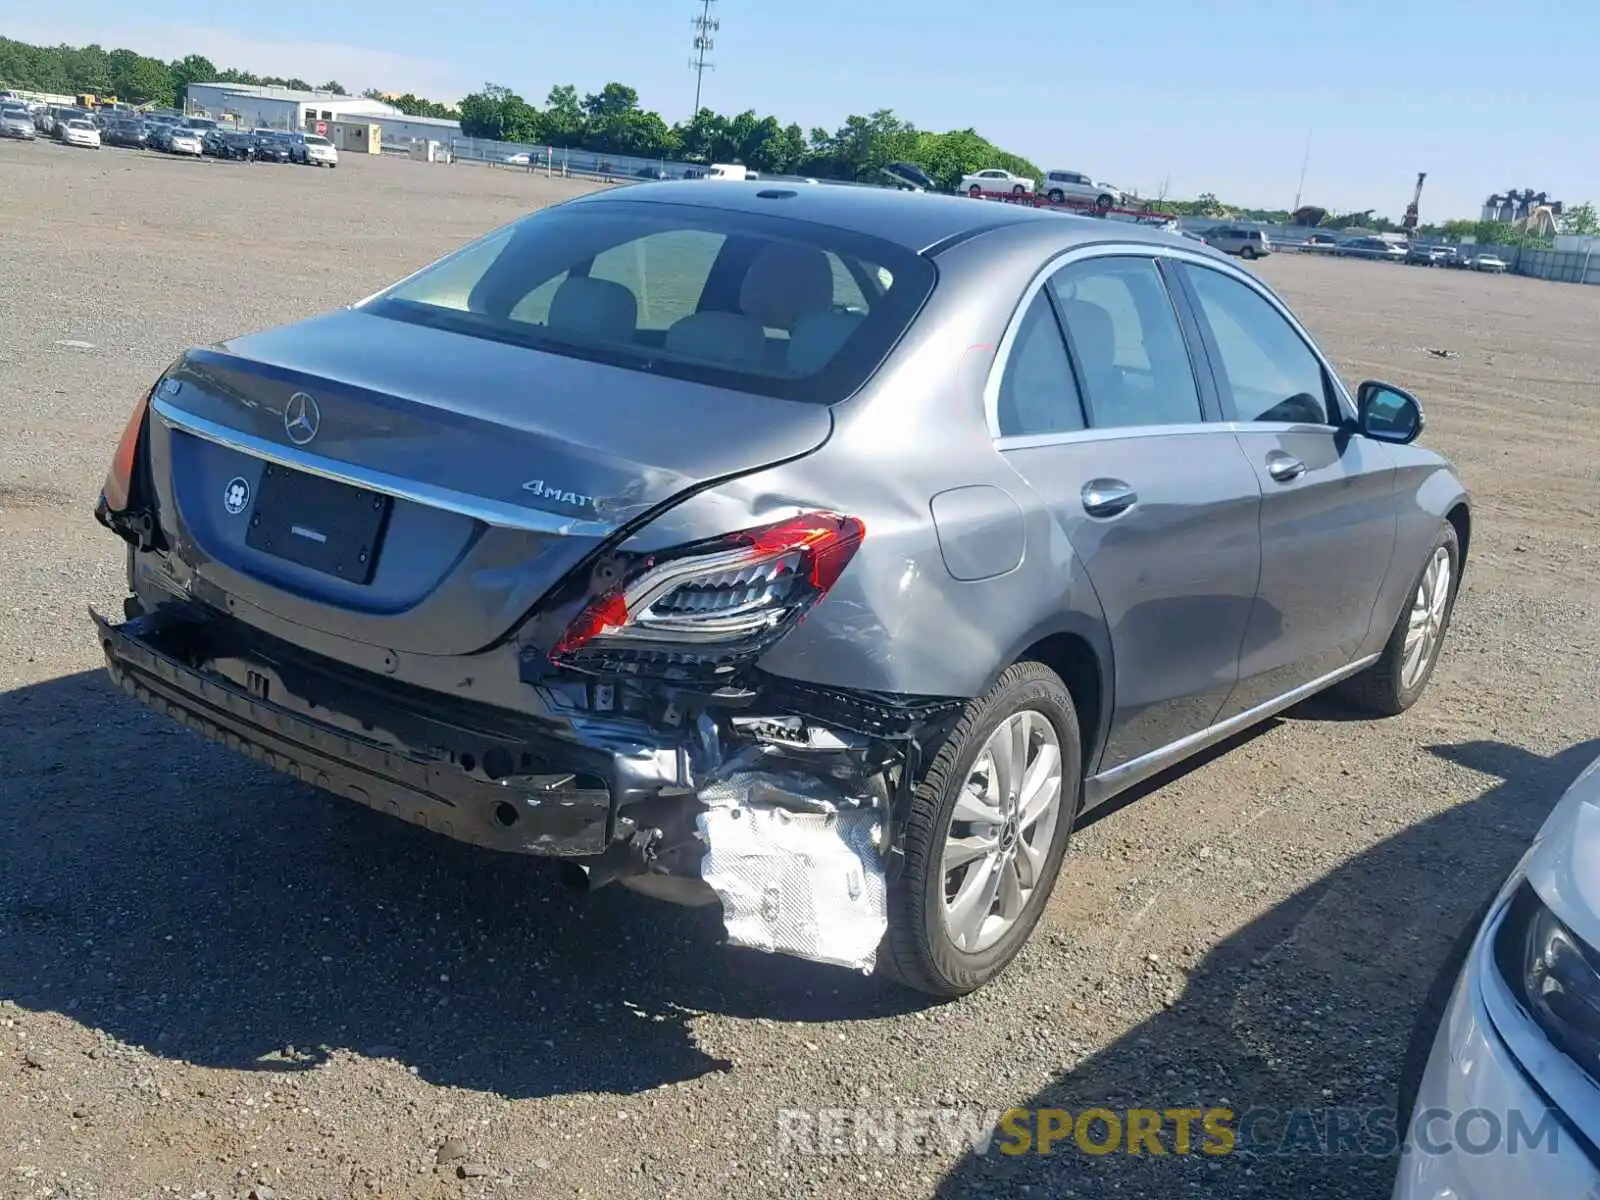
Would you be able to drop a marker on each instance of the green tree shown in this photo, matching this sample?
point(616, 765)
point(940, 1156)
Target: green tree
point(499, 114)
point(139, 80)
point(1581, 219)
point(334, 86)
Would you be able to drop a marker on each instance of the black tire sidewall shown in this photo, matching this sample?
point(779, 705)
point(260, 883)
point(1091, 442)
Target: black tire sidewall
point(1041, 690)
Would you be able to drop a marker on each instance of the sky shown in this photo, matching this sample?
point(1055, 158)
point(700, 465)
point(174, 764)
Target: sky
point(1188, 96)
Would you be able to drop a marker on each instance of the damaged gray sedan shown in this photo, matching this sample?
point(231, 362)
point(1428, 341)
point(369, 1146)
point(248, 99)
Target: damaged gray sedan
point(820, 553)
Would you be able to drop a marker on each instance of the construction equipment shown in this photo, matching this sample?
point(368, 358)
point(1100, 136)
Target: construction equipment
point(1409, 221)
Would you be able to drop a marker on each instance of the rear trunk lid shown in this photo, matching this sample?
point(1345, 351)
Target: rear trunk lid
point(419, 490)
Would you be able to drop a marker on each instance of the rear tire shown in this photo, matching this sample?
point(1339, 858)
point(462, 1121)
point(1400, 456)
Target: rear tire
point(1030, 704)
point(1397, 680)
point(1057, 196)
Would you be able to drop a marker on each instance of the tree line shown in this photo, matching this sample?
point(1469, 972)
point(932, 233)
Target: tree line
point(611, 121)
point(125, 74)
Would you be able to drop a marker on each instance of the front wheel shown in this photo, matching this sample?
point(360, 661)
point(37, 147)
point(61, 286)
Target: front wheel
point(975, 192)
point(1019, 190)
point(984, 838)
point(1248, 252)
point(1103, 203)
point(1397, 680)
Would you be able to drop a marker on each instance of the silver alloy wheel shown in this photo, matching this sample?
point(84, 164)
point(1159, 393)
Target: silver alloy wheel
point(1001, 830)
point(1426, 623)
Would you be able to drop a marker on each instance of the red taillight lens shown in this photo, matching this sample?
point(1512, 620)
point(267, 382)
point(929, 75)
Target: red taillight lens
point(722, 592)
point(119, 479)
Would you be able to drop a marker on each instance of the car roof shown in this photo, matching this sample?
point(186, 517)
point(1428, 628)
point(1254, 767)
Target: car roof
point(918, 221)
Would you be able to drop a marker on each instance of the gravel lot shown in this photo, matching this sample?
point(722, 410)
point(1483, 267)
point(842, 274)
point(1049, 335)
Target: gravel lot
point(215, 981)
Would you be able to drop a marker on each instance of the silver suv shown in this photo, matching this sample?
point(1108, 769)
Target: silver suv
point(1246, 243)
point(1062, 186)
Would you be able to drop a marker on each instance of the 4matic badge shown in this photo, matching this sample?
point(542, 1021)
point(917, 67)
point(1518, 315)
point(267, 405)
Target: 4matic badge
point(236, 496)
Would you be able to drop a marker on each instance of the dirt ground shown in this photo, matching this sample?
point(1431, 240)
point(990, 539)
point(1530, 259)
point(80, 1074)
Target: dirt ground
point(216, 982)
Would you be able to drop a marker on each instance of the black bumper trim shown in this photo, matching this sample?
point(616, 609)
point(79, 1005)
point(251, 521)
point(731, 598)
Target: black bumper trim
point(521, 814)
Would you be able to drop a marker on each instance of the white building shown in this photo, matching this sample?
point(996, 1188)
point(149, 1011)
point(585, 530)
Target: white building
point(403, 130)
point(280, 108)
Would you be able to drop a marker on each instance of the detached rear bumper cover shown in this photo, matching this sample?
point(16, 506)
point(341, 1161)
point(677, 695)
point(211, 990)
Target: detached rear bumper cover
point(533, 814)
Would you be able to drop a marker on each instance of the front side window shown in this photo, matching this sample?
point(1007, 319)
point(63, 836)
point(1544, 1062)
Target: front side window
point(1265, 369)
point(754, 302)
point(1132, 363)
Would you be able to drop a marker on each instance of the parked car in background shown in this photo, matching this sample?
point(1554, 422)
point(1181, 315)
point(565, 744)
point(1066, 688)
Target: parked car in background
point(1511, 1028)
point(1246, 243)
point(181, 140)
point(17, 122)
point(81, 132)
point(199, 126)
point(126, 132)
point(1153, 519)
point(1320, 243)
point(1060, 187)
point(271, 145)
point(907, 177)
point(995, 180)
point(1371, 247)
point(1490, 262)
point(320, 152)
point(296, 141)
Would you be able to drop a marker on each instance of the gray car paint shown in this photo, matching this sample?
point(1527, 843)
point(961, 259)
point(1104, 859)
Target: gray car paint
point(938, 601)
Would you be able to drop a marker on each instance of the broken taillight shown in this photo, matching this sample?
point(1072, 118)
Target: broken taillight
point(119, 479)
point(720, 592)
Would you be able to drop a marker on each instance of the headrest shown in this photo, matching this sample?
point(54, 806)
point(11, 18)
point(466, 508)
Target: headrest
point(784, 283)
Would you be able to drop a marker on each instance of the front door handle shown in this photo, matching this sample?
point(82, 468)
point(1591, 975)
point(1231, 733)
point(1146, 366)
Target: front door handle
point(1284, 467)
point(1108, 497)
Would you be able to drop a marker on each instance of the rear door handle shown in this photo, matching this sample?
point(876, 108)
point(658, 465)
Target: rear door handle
point(1108, 497)
point(1284, 467)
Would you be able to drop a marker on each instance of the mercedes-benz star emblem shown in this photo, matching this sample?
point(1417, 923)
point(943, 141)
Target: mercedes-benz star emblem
point(301, 418)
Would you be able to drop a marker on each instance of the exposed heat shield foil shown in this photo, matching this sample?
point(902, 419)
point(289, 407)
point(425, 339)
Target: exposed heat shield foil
point(796, 866)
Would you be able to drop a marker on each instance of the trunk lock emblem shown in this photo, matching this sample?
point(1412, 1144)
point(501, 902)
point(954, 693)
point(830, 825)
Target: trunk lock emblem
point(301, 418)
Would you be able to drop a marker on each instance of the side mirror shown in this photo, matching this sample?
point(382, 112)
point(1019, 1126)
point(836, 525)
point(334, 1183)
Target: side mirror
point(1387, 413)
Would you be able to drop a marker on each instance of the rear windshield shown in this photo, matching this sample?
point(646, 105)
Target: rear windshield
point(313, 140)
point(763, 304)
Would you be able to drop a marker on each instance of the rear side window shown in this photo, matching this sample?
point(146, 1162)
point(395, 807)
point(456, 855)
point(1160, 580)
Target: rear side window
point(1038, 393)
point(1133, 366)
point(754, 302)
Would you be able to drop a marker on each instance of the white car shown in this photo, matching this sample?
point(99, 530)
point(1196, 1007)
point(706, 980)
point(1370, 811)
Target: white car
point(1061, 187)
point(1508, 1103)
point(320, 152)
point(79, 132)
point(1490, 262)
point(185, 141)
point(17, 122)
point(995, 180)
